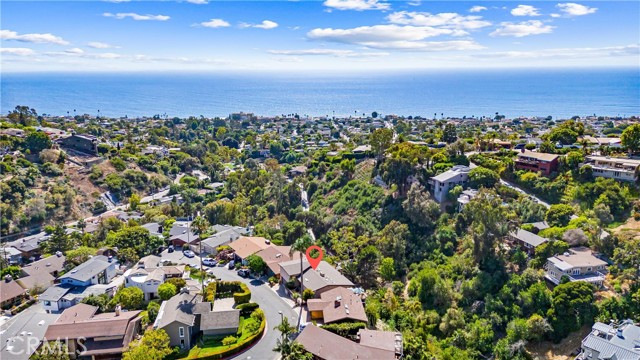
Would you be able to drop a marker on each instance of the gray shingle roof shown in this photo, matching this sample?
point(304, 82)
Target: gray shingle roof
point(528, 237)
point(54, 293)
point(88, 269)
point(179, 308)
point(220, 320)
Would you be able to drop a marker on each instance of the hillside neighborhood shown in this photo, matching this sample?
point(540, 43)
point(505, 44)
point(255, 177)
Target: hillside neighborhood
point(443, 238)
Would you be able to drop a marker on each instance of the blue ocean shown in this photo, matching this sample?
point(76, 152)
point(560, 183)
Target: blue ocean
point(555, 92)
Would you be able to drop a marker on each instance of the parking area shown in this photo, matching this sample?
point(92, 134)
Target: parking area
point(178, 257)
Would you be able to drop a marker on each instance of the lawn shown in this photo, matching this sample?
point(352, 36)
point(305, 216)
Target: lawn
point(213, 346)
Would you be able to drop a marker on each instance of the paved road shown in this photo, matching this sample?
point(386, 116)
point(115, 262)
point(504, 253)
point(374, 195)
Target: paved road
point(270, 303)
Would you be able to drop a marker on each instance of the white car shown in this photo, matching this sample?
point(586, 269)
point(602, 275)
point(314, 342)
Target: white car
point(209, 262)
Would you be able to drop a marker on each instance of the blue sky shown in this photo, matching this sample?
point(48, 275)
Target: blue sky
point(329, 35)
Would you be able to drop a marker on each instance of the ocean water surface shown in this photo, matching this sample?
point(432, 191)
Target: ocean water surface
point(523, 92)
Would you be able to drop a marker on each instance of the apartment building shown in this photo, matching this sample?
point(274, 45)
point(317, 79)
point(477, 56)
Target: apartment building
point(620, 169)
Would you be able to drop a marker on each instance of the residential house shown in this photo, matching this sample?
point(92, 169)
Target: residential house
point(59, 297)
point(177, 316)
point(609, 342)
point(21, 338)
point(154, 228)
point(181, 234)
point(325, 345)
point(97, 270)
point(42, 273)
point(95, 336)
point(620, 169)
point(11, 293)
point(248, 245)
point(537, 162)
point(384, 340)
point(274, 255)
point(81, 142)
point(298, 170)
point(337, 305)
point(442, 183)
point(148, 275)
point(224, 234)
point(526, 240)
point(578, 264)
point(324, 278)
point(217, 322)
point(11, 255)
point(29, 246)
point(465, 197)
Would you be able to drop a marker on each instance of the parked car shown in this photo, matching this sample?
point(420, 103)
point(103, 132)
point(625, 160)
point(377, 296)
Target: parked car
point(209, 262)
point(188, 253)
point(232, 264)
point(171, 248)
point(243, 273)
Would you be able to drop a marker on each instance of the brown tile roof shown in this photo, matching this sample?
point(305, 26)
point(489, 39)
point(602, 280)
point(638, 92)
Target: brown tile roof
point(329, 346)
point(274, 255)
point(10, 290)
point(249, 245)
point(80, 321)
point(349, 306)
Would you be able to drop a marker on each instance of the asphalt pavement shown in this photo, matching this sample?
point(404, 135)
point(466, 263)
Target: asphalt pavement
point(270, 303)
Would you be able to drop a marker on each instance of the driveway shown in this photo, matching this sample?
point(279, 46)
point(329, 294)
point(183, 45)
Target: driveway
point(177, 257)
point(270, 303)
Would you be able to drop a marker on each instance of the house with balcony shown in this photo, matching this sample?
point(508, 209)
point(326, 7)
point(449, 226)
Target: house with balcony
point(442, 183)
point(621, 169)
point(97, 270)
point(578, 264)
point(537, 162)
point(614, 341)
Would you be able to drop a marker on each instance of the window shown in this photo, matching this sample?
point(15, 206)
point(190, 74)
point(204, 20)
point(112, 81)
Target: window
point(181, 332)
point(181, 342)
point(47, 303)
point(575, 271)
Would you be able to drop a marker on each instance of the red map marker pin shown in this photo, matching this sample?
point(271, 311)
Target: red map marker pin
point(314, 261)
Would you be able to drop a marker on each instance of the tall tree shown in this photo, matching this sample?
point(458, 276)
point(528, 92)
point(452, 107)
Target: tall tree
point(630, 138)
point(449, 134)
point(380, 141)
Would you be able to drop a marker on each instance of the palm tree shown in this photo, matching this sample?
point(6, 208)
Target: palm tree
point(301, 246)
point(288, 349)
point(201, 225)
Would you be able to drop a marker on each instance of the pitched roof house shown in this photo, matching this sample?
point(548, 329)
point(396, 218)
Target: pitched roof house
point(578, 264)
point(337, 305)
point(103, 335)
point(608, 342)
point(11, 293)
point(325, 345)
point(249, 245)
point(324, 278)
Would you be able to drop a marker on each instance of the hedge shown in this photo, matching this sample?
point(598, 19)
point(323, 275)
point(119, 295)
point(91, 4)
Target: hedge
point(247, 308)
point(237, 347)
point(243, 296)
point(346, 329)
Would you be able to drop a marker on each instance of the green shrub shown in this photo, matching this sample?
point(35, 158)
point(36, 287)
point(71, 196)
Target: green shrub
point(345, 329)
point(243, 295)
point(247, 308)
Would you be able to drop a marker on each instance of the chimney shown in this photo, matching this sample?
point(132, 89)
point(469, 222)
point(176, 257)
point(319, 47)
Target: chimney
point(619, 333)
point(110, 259)
point(118, 308)
point(336, 303)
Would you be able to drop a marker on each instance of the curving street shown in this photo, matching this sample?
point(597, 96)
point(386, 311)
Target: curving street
point(270, 303)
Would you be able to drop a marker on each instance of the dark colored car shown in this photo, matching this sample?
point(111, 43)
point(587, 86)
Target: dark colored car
point(243, 273)
point(171, 248)
point(232, 264)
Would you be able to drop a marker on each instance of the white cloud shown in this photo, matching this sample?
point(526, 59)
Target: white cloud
point(215, 23)
point(393, 37)
point(526, 28)
point(525, 10)
point(477, 9)
point(77, 51)
point(573, 9)
point(198, 2)
point(32, 38)
point(628, 50)
point(266, 24)
point(414, 3)
point(100, 45)
point(327, 52)
point(358, 5)
point(17, 51)
point(138, 17)
point(444, 20)
point(117, 1)
point(554, 15)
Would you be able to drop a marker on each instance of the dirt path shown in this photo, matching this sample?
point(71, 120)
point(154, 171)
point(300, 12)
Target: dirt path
point(547, 350)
